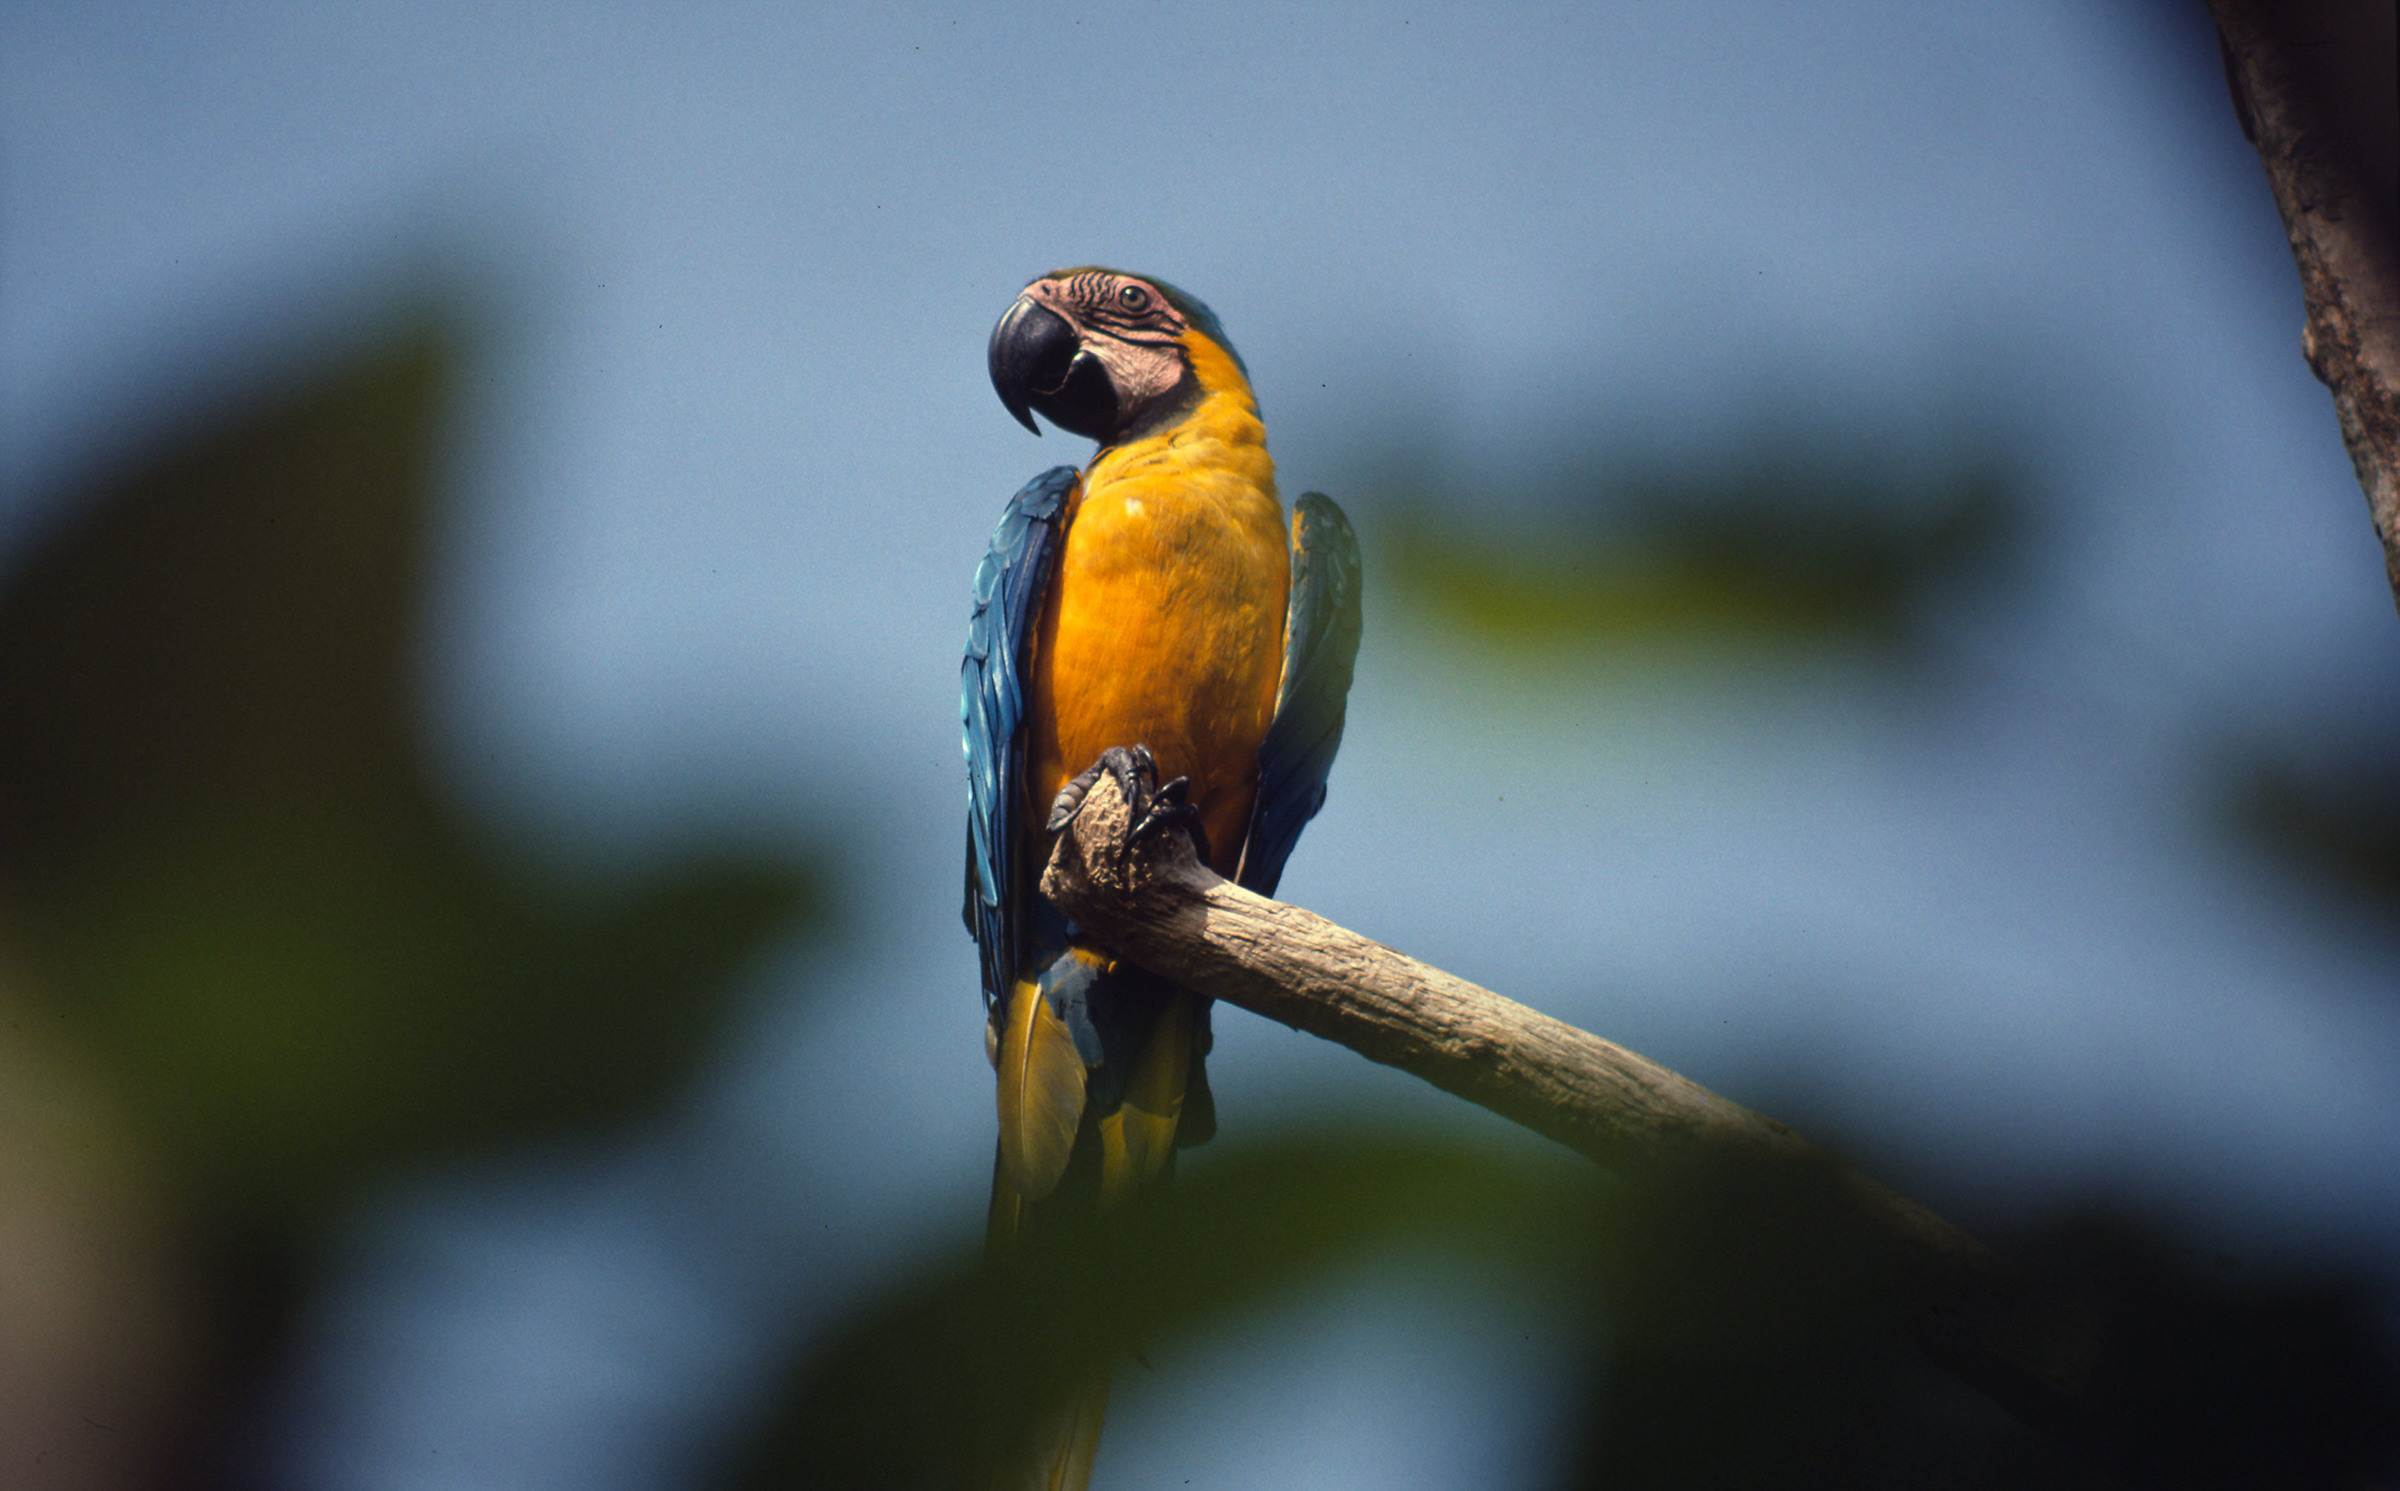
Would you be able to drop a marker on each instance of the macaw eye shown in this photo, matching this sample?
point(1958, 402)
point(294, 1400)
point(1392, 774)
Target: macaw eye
point(1134, 298)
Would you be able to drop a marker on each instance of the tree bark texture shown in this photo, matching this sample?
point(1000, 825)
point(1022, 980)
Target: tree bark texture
point(1157, 904)
point(2314, 86)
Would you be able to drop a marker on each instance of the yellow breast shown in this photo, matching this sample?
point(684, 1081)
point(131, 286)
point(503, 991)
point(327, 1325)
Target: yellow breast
point(1164, 623)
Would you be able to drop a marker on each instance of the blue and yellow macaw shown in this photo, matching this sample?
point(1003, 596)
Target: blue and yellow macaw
point(1151, 616)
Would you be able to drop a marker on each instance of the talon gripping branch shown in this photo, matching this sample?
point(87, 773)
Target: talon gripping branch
point(1151, 616)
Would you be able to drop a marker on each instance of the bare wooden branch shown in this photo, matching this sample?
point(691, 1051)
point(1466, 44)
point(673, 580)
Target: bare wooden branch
point(1154, 902)
point(2314, 88)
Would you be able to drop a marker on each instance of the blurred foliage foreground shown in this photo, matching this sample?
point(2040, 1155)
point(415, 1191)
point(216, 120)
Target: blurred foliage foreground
point(252, 967)
point(251, 962)
point(1733, 1332)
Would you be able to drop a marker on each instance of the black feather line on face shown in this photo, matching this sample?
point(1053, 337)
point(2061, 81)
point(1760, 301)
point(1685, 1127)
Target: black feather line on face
point(1099, 304)
point(1092, 280)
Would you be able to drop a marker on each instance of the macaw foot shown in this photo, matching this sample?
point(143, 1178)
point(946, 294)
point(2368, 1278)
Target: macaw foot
point(1155, 805)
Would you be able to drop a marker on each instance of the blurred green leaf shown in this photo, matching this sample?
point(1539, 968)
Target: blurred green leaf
point(1775, 551)
point(228, 865)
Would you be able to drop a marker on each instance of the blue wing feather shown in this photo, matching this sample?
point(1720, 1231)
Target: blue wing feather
point(1320, 646)
point(991, 711)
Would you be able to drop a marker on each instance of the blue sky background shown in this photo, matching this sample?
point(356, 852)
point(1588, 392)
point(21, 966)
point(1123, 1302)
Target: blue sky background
point(728, 456)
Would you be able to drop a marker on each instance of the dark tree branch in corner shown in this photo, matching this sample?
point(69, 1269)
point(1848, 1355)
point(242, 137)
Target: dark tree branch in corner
point(1158, 905)
point(2314, 87)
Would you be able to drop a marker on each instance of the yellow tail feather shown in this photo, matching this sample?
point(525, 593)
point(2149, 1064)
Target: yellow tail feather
point(1138, 1140)
point(1063, 1459)
point(1007, 1212)
point(1041, 1104)
point(1041, 1094)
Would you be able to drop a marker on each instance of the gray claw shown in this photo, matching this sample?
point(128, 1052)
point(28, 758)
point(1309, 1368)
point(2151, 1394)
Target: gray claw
point(1134, 769)
point(1069, 801)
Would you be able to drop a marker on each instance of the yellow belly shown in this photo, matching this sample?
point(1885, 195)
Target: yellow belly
point(1164, 627)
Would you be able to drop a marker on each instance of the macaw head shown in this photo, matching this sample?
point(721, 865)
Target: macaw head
point(1108, 355)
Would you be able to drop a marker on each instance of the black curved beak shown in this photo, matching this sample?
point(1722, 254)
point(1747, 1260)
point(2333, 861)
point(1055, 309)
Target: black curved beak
point(1033, 350)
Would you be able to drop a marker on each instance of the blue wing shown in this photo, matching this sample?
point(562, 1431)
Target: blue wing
point(1320, 644)
point(991, 708)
